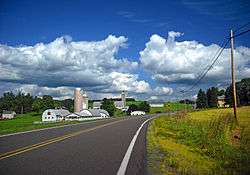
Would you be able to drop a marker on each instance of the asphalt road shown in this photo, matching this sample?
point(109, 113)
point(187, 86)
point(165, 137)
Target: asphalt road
point(89, 148)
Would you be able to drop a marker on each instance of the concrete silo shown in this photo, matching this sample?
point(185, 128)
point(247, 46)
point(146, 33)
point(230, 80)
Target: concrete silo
point(78, 100)
point(85, 101)
point(123, 97)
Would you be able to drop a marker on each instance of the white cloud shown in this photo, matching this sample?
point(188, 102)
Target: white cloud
point(172, 61)
point(57, 92)
point(63, 62)
point(162, 91)
point(129, 83)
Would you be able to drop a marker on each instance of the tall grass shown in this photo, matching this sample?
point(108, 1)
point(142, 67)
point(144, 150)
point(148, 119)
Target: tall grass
point(219, 140)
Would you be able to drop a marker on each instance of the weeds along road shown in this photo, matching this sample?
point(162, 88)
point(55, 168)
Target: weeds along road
point(92, 148)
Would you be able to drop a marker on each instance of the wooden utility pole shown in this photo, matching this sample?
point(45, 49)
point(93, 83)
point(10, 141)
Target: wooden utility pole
point(233, 76)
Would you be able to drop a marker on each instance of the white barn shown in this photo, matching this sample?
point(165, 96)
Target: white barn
point(88, 114)
point(54, 115)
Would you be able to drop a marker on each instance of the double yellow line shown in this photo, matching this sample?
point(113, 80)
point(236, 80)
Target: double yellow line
point(50, 141)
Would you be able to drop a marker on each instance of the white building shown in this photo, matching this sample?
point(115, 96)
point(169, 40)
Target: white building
point(50, 115)
point(8, 114)
point(137, 113)
point(97, 105)
point(88, 114)
point(156, 105)
point(121, 104)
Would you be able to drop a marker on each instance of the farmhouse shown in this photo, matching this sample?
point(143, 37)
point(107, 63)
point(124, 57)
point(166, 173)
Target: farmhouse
point(221, 101)
point(8, 114)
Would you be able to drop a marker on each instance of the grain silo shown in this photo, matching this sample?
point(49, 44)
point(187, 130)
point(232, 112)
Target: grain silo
point(123, 97)
point(77, 100)
point(85, 101)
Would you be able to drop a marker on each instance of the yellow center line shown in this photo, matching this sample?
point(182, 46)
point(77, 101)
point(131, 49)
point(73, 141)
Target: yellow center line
point(50, 141)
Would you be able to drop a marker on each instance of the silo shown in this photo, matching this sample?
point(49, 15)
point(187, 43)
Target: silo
point(123, 97)
point(85, 101)
point(77, 100)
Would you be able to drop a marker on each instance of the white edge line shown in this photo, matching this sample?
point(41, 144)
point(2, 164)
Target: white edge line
point(54, 127)
point(124, 164)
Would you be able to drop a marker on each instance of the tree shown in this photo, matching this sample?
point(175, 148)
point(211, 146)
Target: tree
point(212, 97)
point(144, 106)
point(38, 105)
point(131, 108)
point(221, 92)
point(69, 104)
point(109, 106)
point(7, 102)
point(201, 101)
point(48, 102)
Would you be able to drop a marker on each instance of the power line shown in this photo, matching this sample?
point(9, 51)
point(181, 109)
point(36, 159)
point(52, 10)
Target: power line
point(242, 33)
point(209, 68)
point(219, 52)
point(241, 27)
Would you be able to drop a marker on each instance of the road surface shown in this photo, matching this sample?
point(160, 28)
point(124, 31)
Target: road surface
point(89, 148)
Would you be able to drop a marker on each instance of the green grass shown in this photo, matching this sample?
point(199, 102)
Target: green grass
point(201, 142)
point(170, 107)
point(24, 122)
point(119, 113)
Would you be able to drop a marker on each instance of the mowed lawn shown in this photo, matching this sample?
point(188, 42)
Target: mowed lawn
point(25, 122)
point(201, 142)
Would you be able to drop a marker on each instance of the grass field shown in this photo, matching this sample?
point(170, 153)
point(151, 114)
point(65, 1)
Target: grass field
point(169, 107)
point(24, 122)
point(201, 142)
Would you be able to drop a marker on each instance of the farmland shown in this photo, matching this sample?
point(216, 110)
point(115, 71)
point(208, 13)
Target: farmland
point(200, 142)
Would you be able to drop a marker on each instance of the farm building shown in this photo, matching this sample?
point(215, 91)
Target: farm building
point(221, 101)
point(88, 114)
point(155, 105)
point(137, 113)
point(97, 105)
point(54, 115)
point(8, 114)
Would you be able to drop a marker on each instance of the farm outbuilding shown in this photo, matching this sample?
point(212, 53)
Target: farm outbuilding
point(137, 113)
point(8, 114)
point(54, 115)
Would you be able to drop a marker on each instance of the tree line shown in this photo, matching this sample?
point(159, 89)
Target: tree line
point(209, 99)
point(23, 103)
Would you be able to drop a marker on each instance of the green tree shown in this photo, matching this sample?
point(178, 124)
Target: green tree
point(38, 105)
point(48, 102)
point(201, 101)
point(212, 97)
point(7, 102)
point(144, 106)
point(68, 104)
point(221, 92)
point(109, 106)
point(131, 108)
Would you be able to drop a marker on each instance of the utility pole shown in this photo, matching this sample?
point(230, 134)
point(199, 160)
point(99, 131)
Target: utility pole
point(233, 76)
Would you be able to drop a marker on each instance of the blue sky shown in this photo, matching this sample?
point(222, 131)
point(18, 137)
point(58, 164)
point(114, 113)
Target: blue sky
point(26, 23)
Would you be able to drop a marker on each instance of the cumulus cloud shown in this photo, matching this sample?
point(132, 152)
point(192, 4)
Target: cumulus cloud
point(181, 62)
point(129, 83)
point(63, 62)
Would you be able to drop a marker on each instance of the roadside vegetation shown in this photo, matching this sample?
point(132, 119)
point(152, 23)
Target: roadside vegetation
point(200, 142)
